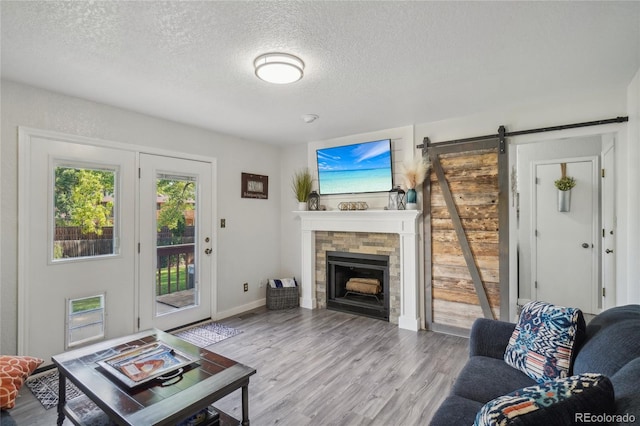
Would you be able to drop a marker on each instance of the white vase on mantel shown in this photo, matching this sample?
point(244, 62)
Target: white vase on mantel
point(302, 206)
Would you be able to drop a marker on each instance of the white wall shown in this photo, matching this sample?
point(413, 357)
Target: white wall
point(248, 249)
point(629, 266)
point(293, 159)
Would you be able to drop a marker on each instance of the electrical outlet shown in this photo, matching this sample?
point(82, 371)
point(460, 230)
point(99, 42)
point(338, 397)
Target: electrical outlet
point(260, 283)
point(246, 286)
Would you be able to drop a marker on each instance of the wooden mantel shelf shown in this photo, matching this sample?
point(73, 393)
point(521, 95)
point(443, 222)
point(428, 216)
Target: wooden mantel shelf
point(402, 222)
point(383, 221)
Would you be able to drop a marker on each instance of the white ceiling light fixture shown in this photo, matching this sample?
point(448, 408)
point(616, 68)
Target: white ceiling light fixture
point(279, 68)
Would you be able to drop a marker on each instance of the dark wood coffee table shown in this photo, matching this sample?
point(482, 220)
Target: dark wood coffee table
point(157, 402)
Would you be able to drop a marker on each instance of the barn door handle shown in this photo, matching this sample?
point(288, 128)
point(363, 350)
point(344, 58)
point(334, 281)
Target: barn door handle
point(585, 245)
point(608, 251)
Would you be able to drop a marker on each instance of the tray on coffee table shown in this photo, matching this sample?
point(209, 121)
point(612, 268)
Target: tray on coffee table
point(140, 365)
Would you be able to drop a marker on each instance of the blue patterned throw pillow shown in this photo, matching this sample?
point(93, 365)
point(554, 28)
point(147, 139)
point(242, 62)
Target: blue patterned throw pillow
point(543, 341)
point(566, 401)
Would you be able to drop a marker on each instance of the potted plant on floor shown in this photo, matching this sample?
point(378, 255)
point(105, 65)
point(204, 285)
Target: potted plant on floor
point(301, 184)
point(564, 185)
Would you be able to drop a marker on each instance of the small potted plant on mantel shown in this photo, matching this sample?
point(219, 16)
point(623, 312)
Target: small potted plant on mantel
point(301, 184)
point(564, 185)
point(415, 171)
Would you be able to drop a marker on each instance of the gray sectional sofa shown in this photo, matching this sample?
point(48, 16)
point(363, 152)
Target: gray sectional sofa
point(610, 346)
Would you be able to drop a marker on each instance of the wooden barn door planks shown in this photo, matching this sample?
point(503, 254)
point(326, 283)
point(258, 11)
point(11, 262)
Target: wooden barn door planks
point(466, 200)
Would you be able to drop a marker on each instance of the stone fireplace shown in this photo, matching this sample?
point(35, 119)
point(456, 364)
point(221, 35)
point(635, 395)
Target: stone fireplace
point(392, 234)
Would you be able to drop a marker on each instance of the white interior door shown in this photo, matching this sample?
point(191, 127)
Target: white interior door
point(565, 243)
point(77, 259)
point(176, 241)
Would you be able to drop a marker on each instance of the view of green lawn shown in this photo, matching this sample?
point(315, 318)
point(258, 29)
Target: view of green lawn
point(163, 279)
point(86, 304)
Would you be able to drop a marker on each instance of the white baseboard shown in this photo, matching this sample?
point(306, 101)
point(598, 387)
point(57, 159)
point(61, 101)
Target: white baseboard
point(240, 309)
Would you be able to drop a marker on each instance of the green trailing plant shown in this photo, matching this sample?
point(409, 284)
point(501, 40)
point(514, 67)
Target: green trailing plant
point(565, 183)
point(301, 184)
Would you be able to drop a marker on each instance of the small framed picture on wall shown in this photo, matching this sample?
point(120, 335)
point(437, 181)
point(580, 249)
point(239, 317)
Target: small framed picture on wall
point(255, 186)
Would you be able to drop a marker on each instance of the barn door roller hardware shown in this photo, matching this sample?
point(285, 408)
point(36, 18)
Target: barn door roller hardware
point(503, 134)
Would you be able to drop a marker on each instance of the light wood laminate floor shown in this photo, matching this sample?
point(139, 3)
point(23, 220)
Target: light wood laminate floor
point(323, 367)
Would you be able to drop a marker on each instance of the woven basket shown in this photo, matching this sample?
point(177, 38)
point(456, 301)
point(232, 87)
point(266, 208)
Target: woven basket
point(282, 297)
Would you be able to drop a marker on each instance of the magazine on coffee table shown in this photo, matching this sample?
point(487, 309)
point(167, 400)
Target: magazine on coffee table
point(145, 363)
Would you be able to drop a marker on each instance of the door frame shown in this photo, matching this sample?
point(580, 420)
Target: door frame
point(595, 203)
point(607, 293)
point(616, 130)
point(24, 152)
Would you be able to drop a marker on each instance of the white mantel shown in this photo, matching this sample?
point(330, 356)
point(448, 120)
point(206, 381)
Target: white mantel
point(401, 222)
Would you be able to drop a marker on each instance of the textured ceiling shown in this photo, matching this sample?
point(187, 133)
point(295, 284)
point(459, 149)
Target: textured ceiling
point(369, 65)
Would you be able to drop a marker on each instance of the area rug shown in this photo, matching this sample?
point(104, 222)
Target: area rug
point(207, 334)
point(45, 388)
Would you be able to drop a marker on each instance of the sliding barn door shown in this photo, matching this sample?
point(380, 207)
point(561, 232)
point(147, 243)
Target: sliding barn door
point(467, 272)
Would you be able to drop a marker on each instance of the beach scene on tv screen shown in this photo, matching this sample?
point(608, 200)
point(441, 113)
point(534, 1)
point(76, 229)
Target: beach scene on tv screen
point(364, 167)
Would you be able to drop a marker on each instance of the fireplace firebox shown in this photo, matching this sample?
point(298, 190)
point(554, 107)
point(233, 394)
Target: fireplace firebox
point(358, 283)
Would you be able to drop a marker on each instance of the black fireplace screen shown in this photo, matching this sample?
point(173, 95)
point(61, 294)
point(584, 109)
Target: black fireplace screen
point(358, 283)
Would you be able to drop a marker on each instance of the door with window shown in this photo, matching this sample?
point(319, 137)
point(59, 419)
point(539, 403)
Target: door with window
point(111, 241)
point(77, 258)
point(176, 241)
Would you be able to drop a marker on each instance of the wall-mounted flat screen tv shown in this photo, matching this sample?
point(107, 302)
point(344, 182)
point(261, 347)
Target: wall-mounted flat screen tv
point(358, 168)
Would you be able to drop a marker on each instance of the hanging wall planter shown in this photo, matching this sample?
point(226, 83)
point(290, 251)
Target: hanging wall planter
point(564, 201)
point(564, 185)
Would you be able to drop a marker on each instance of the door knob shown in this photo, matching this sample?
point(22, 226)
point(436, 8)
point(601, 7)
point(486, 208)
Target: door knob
point(608, 251)
point(585, 245)
point(208, 251)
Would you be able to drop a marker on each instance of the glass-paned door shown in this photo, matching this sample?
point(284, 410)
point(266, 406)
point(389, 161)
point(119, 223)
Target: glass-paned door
point(175, 242)
point(77, 244)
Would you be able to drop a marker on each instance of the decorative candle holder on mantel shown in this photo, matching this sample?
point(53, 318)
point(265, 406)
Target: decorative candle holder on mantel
point(313, 201)
point(396, 199)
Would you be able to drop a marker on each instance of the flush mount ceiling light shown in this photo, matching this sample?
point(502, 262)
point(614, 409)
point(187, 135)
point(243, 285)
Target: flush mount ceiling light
point(279, 68)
